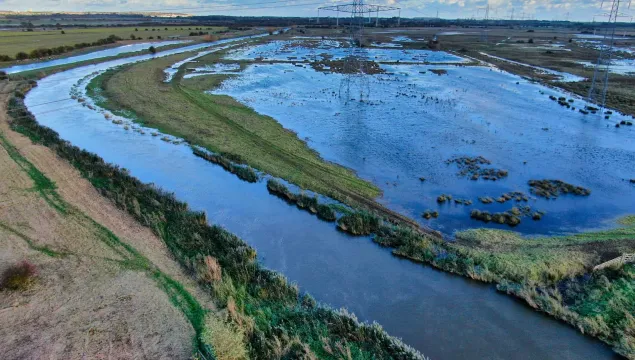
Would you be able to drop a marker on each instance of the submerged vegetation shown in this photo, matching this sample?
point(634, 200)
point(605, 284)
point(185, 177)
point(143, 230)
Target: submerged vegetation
point(276, 320)
point(553, 188)
point(473, 167)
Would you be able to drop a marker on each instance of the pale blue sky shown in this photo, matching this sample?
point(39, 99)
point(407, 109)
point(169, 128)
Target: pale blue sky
point(540, 9)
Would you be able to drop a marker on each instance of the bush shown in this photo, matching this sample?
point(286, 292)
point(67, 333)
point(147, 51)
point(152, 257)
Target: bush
point(325, 212)
point(19, 276)
point(152, 50)
point(359, 223)
point(227, 342)
point(5, 58)
point(21, 56)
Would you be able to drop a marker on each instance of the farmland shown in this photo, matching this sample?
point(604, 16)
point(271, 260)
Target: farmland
point(13, 42)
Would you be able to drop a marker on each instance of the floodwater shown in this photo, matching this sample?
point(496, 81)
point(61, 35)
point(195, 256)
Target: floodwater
point(561, 76)
point(293, 51)
point(414, 120)
point(444, 316)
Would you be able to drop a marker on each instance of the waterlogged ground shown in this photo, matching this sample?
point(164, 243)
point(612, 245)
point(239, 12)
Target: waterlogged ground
point(444, 316)
point(295, 50)
point(416, 120)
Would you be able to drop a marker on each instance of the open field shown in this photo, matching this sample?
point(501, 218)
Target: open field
point(12, 42)
point(96, 292)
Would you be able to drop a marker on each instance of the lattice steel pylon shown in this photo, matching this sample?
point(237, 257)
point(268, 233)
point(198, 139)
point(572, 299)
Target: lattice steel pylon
point(356, 62)
point(600, 81)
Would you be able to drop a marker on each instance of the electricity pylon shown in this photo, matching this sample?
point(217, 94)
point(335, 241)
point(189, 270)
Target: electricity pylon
point(356, 61)
point(600, 81)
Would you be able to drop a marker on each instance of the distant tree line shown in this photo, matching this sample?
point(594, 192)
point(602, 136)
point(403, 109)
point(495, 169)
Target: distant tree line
point(44, 52)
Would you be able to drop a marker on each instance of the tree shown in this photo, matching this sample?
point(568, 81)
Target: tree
point(63, 32)
point(22, 55)
point(152, 50)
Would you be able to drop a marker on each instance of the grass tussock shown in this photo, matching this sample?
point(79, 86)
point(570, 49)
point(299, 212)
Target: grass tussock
point(269, 311)
point(226, 341)
point(19, 276)
point(360, 223)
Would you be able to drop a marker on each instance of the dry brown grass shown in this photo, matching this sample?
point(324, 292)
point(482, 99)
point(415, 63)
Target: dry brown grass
point(84, 304)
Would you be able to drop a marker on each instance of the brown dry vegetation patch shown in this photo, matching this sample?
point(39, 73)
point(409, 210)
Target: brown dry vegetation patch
point(83, 304)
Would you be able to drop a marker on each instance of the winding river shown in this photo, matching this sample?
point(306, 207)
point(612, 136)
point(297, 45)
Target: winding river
point(444, 316)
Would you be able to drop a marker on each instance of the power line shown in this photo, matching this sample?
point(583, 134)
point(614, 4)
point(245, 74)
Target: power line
point(233, 7)
point(214, 7)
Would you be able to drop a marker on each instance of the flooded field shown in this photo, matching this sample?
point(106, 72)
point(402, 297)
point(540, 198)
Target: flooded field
point(415, 120)
point(442, 315)
point(333, 50)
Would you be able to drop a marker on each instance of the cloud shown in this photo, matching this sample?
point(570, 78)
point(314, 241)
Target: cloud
point(540, 9)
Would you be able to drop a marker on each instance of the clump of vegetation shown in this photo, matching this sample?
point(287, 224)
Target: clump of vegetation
point(339, 66)
point(243, 172)
point(553, 188)
point(486, 199)
point(441, 199)
point(508, 218)
point(19, 276)
point(473, 167)
point(360, 223)
point(439, 71)
point(302, 201)
point(428, 214)
point(463, 202)
point(280, 190)
point(518, 196)
point(326, 213)
point(226, 341)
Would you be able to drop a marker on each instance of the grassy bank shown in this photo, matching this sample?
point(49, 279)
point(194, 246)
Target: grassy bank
point(553, 274)
point(222, 125)
point(262, 311)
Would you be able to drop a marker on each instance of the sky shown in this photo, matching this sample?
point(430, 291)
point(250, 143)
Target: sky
point(575, 10)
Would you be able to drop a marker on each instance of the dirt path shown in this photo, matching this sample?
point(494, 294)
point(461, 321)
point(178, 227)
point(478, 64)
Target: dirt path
point(85, 304)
